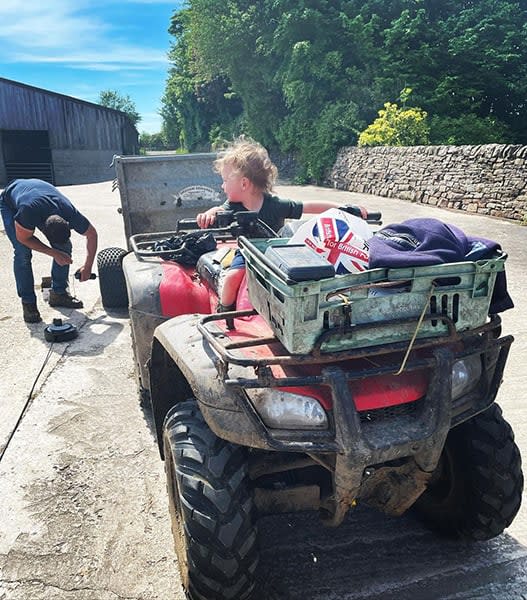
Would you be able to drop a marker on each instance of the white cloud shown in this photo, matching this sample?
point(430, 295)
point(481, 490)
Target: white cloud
point(150, 122)
point(63, 33)
point(123, 58)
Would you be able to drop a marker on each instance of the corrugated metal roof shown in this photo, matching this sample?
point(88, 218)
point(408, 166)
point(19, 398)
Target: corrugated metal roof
point(70, 98)
point(72, 123)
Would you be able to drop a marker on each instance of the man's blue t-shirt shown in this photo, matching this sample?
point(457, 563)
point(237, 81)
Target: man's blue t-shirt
point(34, 200)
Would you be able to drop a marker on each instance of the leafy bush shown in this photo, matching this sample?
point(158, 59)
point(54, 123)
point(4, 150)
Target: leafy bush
point(397, 127)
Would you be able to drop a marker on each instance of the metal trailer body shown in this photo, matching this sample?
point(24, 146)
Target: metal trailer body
point(156, 191)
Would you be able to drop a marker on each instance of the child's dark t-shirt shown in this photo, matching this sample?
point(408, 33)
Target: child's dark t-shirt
point(274, 210)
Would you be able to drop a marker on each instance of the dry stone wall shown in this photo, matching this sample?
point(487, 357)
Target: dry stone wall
point(488, 179)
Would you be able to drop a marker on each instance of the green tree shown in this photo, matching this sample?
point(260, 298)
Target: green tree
point(153, 141)
point(467, 129)
point(325, 80)
point(462, 58)
point(115, 100)
point(195, 102)
point(305, 76)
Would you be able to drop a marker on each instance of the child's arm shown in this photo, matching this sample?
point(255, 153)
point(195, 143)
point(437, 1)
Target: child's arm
point(207, 218)
point(319, 206)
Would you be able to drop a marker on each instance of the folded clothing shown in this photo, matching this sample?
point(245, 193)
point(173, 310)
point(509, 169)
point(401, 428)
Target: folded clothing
point(422, 242)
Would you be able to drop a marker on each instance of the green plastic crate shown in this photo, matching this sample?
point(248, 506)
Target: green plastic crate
point(299, 313)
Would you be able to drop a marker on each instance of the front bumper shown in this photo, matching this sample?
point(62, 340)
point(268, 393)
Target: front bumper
point(355, 440)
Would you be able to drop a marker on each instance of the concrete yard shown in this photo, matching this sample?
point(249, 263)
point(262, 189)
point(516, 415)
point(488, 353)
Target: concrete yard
point(83, 506)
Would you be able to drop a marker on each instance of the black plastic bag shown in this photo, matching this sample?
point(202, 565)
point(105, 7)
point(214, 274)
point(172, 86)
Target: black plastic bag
point(187, 247)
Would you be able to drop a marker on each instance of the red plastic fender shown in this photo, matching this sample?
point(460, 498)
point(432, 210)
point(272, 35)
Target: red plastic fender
point(181, 291)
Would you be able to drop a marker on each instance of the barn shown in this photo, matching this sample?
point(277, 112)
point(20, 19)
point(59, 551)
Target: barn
point(58, 138)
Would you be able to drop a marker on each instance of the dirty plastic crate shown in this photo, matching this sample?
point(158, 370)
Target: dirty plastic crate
point(300, 312)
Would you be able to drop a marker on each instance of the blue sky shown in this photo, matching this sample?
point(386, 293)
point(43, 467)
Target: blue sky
point(81, 47)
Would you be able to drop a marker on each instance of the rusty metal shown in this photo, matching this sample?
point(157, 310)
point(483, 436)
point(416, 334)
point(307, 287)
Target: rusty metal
point(224, 349)
point(394, 489)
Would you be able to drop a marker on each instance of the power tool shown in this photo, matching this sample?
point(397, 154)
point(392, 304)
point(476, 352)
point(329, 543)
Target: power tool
point(60, 332)
point(78, 275)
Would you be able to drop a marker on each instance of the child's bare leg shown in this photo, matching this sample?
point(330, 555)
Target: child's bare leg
point(231, 285)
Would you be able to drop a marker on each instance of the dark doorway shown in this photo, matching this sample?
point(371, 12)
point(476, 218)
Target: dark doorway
point(27, 155)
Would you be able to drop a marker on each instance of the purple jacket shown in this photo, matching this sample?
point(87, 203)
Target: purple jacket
point(422, 242)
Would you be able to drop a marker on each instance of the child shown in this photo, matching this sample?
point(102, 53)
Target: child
point(248, 177)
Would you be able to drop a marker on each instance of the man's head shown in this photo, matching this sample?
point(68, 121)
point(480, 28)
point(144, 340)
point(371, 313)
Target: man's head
point(57, 230)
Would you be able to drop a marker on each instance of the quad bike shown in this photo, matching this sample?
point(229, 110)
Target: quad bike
point(391, 403)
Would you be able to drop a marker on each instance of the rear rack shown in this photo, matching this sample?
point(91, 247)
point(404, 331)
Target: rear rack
point(229, 352)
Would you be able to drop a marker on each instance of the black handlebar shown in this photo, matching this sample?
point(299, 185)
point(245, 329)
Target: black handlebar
point(247, 220)
point(374, 217)
point(187, 225)
point(232, 223)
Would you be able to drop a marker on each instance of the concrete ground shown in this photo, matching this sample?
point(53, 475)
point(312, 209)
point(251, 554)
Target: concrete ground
point(83, 509)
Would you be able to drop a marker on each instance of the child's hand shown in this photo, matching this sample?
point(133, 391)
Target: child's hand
point(207, 218)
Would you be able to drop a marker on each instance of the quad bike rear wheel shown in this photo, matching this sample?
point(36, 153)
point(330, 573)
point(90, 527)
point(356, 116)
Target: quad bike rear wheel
point(111, 278)
point(211, 508)
point(476, 490)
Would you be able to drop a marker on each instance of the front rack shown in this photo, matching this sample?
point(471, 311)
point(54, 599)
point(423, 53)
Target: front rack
point(231, 352)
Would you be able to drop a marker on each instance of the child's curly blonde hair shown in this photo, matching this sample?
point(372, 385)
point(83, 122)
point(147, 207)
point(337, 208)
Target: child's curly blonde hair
point(250, 159)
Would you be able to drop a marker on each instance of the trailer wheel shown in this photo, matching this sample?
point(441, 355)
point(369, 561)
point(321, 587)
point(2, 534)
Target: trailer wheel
point(112, 283)
point(476, 489)
point(211, 508)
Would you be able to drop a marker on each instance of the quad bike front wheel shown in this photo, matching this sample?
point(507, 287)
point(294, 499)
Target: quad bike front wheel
point(211, 508)
point(476, 490)
point(112, 283)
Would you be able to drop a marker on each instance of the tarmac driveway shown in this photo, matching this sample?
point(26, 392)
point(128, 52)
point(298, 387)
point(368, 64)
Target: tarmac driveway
point(83, 508)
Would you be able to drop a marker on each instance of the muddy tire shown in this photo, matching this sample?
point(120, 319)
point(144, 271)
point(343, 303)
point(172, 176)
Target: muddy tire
point(112, 283)
point(211, 508)
point(476, 490)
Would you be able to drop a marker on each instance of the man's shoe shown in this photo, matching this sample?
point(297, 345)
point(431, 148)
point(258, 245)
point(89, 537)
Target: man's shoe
point(64, 300)
point(31, 314)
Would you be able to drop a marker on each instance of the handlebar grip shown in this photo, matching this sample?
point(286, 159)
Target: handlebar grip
point(187, 224)
point(374, 216)
point(362, 213)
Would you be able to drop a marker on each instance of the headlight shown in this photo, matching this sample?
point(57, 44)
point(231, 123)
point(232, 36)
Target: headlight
point(465, 375)
point(282, 410)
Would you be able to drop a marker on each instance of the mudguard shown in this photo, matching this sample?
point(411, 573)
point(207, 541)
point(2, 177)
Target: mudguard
point(164, 288)
point(196, 374)
point(181, 291)
point(157, 291)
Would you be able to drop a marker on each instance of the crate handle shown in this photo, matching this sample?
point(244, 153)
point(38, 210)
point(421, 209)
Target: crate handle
point(414, 336)
point(453, 280)
point(366, 286)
